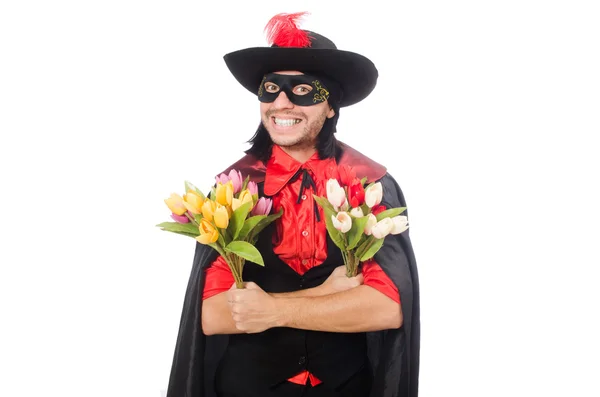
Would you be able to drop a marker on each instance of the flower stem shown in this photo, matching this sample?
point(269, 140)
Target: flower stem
point(191, 218)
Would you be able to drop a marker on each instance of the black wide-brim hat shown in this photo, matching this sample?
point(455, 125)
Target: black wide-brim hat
point(355, 73)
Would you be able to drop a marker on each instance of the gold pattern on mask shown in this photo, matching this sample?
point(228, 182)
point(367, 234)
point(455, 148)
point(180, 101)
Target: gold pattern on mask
point(262, 83)
point(322, 94)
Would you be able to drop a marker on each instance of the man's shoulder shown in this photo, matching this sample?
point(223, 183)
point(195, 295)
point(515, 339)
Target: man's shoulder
point(248, 165)
point(363, 165)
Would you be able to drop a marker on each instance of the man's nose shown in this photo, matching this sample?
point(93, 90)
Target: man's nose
point(282, 101)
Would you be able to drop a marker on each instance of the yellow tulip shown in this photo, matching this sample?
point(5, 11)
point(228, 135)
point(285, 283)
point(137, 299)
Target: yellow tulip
point(193, 202)
point(175, 204)
point(245, 197)
point(208, 209)
point(208, 233)
point(221, 217)
point(225, 193)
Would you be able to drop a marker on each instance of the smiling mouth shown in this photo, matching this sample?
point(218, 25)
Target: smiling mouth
point(286, 122)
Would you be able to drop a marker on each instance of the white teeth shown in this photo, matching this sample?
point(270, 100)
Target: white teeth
point(286, 122)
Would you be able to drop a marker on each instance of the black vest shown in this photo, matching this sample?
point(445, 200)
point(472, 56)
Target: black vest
point(264, 360)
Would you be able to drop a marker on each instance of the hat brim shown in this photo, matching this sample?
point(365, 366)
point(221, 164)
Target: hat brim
point(355, 73)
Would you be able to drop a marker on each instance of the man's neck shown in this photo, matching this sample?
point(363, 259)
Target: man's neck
point(300, 155)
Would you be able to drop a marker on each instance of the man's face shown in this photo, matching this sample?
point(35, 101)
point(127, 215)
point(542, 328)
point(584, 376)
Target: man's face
point(290, 125)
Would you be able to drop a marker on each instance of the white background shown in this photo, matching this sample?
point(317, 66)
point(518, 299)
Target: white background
point(106, 107)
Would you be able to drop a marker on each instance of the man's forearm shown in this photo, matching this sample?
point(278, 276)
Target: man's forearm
point(359, 309)
point(216, 316)
point(303, 293)
point(216, 313)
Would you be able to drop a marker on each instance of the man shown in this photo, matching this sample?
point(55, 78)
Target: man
point(300, 326)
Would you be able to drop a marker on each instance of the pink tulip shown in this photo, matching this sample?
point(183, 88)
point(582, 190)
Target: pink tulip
point(223, 179)
point(180, 218)
point(236, 178)
point(253, 187)
point(263, 206)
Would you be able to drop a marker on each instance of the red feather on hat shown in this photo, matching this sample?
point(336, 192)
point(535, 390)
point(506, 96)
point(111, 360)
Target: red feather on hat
point(282, 30)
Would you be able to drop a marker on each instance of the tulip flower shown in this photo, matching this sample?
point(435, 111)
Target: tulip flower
point(221, 217)
point(245, 197)
point(225, 193)
point(400, 224)
point(263, 206)
point(208, 233)
point(180, 218)
point(347, 174)
point(372, 221)
point(356, 193)
point(208, 209)
point(222, 179)
point(357, 212)
point(335, 194)
point(342, 221)
point(377, 209)
point(193, 202)
point(382, 228)
point(175, 204)
point(234, 176)
point(236, 180)
point(253, 187)
point(374, 194)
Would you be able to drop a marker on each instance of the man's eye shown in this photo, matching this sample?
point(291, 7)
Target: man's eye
point(270, 87)
point(302, 90)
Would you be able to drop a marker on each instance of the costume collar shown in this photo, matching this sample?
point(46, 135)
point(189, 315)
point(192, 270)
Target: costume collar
point(281, 167)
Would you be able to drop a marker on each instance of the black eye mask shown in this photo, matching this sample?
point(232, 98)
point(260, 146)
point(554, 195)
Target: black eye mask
point(273, 84)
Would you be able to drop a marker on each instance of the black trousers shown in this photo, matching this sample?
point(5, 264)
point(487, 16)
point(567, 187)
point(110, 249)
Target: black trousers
point(357, 386)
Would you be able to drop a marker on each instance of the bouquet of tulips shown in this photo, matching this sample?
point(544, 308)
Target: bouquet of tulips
point(355, 219)
point(229, 220)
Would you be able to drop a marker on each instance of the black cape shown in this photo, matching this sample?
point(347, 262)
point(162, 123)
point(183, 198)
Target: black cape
point(394, 354)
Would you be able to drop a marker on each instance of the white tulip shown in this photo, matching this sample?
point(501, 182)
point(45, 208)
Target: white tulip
point(382, 228)
point(374, 194)
point(336, 195)
point(357, 212)
point(372, 221)
point(342, 221)
point(400, 224)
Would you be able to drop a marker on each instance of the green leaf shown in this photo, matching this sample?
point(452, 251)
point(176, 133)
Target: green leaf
point(336, 236)
point(198, 218)
point(372, 250)
point(190, 186)
point(356, 231)
point(392, 212)
point(363, 181)
point(263, 224)
point(213, 194)
point(236, 222)
point(176, 227)
point(246, 251)
point(249, 225)
point(324, 203)
point(245, 184)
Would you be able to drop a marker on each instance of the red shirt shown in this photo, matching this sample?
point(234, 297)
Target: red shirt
point(300, 240)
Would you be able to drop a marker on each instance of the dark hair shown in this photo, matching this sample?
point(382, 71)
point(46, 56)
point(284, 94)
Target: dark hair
point(327, 144)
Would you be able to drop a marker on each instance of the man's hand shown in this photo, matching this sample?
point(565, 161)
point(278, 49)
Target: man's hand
point(338, 281)
point(252, 309)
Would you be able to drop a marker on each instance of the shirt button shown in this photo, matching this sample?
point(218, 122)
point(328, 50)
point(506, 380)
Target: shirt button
point(302, 360)
point(303, 197)
point(304, 261)
point(305, 233)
